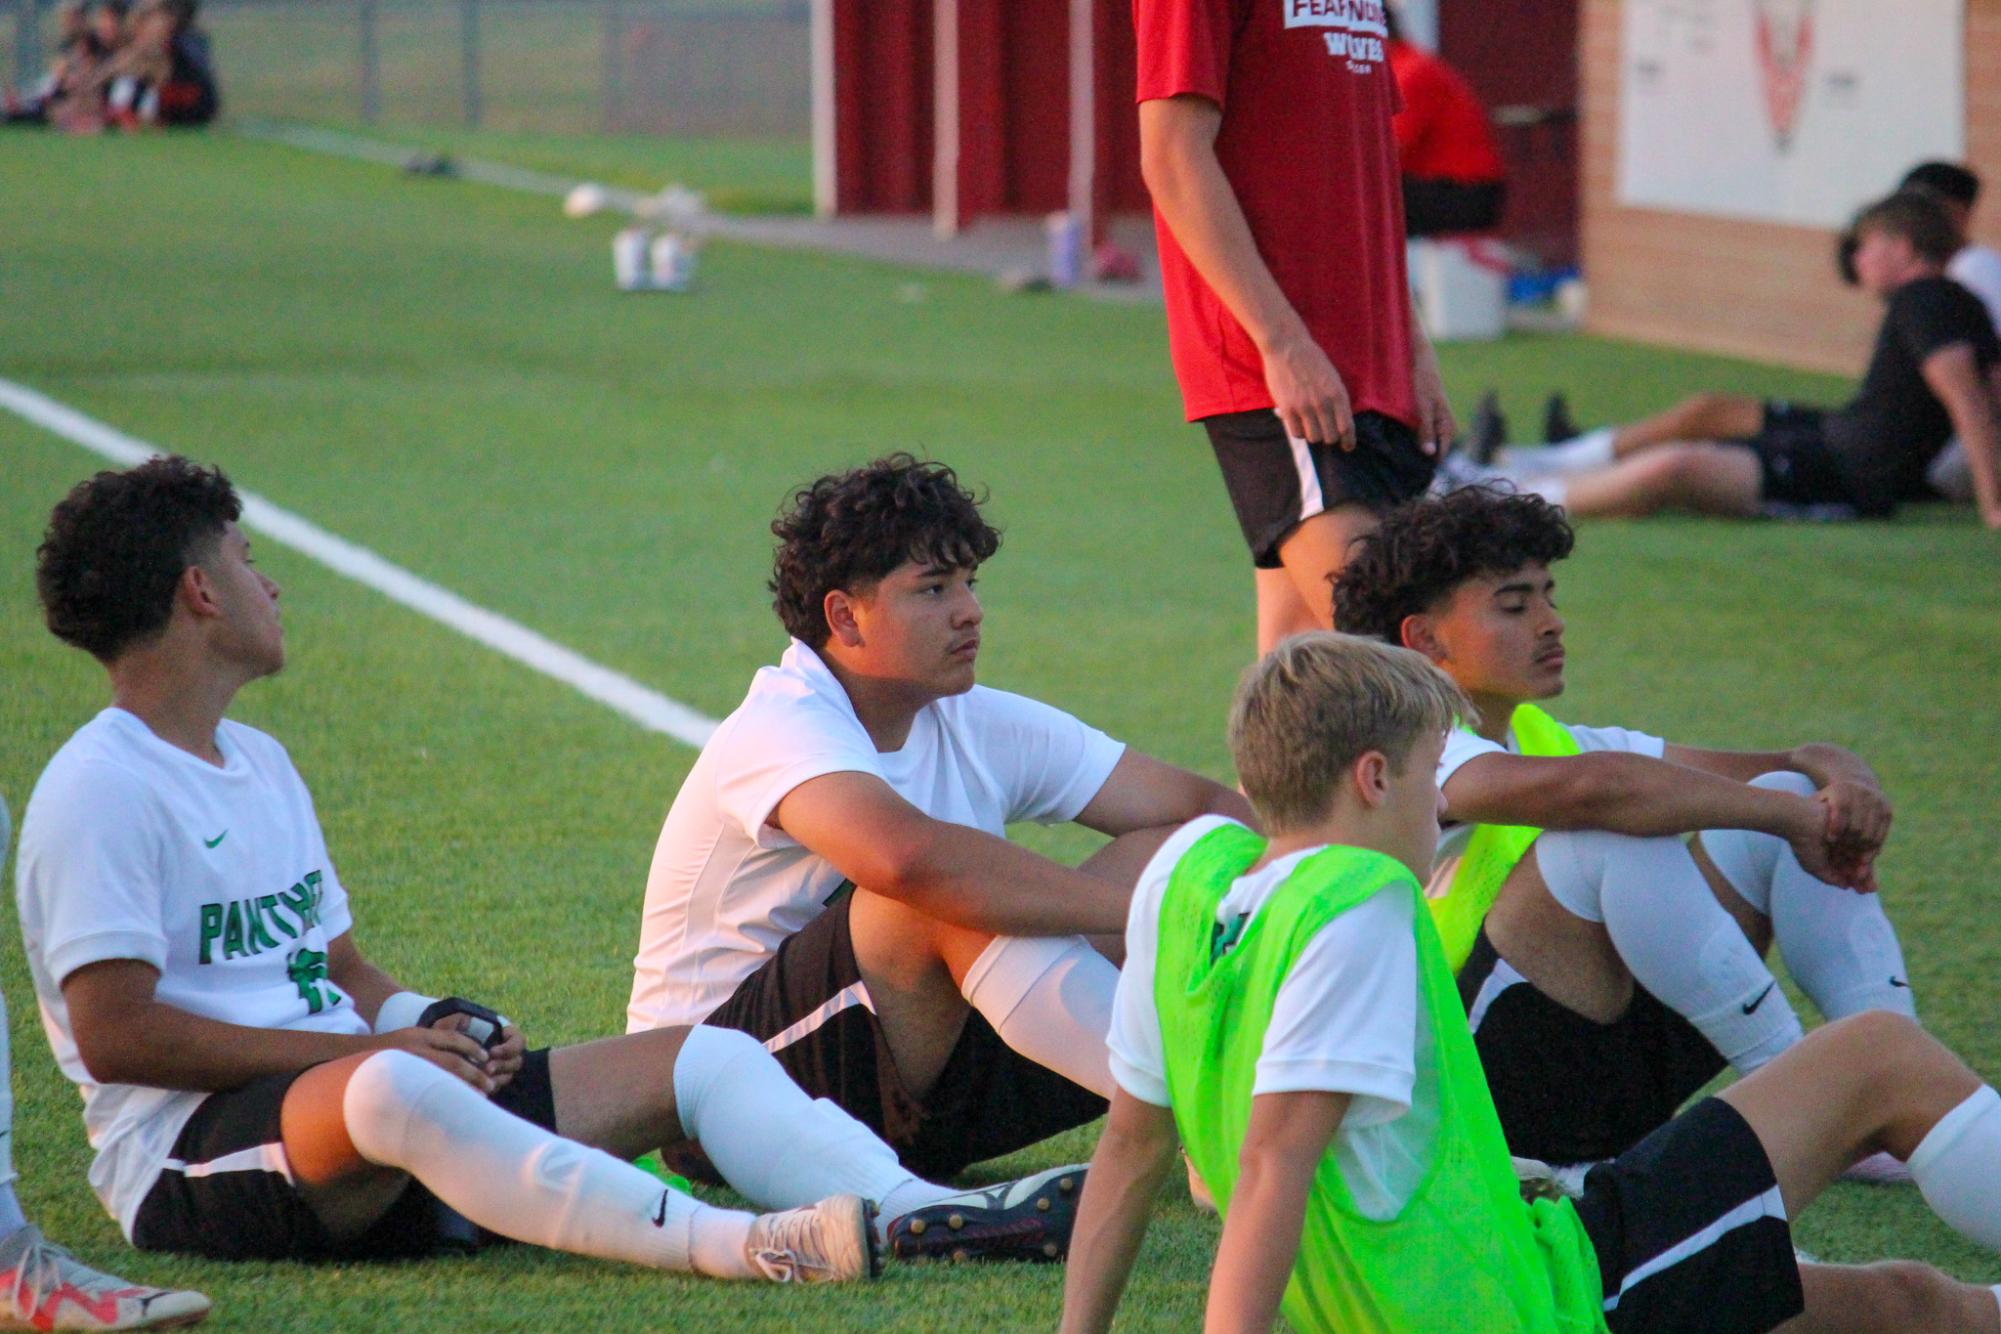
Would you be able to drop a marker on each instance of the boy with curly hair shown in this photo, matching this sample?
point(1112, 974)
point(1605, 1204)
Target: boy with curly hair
point(1287, 1013)
point(834, 876)
point(1609, 963)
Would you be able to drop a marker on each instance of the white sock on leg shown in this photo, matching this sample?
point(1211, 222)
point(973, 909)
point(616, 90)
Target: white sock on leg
point(1838, 945)
point(515, 1178)
point(1957, 1166)
point(1593, 449)
point(1050, 999)
point(773, 1143)
point(1675, 937)
point(11, 1217)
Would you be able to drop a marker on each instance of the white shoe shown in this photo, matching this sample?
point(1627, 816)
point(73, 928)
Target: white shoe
point(1879, 1169)
point(829, 1242)
point(48, 1288)
point(1026, 1219)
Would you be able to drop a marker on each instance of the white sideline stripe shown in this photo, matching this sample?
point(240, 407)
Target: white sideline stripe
point(1769, 1205)
point(1311, 500)
point(256, 1158)
point(649, 708)
point(849, 996)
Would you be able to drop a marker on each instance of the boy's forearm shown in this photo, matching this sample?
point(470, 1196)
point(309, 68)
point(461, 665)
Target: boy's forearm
point(1260, 1242)
point(1133, 1157)
point(1628, 794)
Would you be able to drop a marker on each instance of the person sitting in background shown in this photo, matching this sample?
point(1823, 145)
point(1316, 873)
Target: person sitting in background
point(1977, 268)
point(1932, 375)
point(76, 51)
point(1453, 180)
point(165, 76)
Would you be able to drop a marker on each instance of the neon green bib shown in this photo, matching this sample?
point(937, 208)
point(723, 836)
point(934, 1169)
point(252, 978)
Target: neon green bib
point(1494, 848)
point(1465, 1252)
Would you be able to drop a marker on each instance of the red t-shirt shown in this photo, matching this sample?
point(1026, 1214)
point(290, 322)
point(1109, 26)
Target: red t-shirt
point(1307, 97)
point(1442, 131)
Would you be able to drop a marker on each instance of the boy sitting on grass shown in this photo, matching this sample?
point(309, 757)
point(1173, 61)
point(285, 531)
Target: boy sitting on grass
point(1608, 967)
point(1286, 1011)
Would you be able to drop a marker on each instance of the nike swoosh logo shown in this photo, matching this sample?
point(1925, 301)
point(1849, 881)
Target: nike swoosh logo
point(1900, 982)
point(1753, 1005)
point(660, 1218)
point(211, 842)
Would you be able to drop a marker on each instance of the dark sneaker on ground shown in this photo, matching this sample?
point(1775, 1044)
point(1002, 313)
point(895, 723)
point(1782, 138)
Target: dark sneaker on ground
point(1489, 430)
point(829, 1242)
point(1028, 1219)
point(1557, 423)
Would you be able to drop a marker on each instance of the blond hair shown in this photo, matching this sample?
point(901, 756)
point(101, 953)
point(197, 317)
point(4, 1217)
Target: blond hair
point(1306, 711)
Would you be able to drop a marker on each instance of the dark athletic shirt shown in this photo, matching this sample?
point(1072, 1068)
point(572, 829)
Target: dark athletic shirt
point(1888, 434)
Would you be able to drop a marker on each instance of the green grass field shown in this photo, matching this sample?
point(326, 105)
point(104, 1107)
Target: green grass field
point(444, 373)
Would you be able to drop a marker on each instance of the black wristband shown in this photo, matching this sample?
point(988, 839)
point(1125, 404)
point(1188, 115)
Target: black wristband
point(483, 1026)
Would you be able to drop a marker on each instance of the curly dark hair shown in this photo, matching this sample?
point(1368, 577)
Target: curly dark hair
point(119, 542)
point(1426, 549)
point(847, 530)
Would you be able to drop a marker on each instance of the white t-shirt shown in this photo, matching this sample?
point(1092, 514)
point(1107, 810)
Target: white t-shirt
point(132, 848)
point(1462, 745)
point(1345, 1021)
point(1977, 268)
point(726, 887)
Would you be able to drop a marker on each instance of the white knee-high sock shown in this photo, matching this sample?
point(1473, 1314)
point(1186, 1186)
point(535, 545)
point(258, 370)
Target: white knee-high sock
point(1675, 937)
point(1957, 1166)
point(512, 1177)
point(774, 1144)
point(1593, 449)
point(11, 1216)
point(1838, 945)
point(1049, 998)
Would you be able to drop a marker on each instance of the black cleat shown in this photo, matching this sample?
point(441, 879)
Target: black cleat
point(1557, 423)
point(1028, 1219)
point(1489, 430)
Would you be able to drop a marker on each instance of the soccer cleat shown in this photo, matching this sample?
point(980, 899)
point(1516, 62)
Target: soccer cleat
point(48, 1288)
point(1027, 1219)
point(829, 1242)
point(1557, 423)
point(1489, 430)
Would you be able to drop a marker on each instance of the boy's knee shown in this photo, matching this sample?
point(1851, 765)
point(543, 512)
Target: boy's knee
point(1915, 1294)
point(382, 1095)
point(1786, 780)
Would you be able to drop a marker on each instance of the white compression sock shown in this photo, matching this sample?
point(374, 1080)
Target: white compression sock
point(774, 1144)
point(1050, 999)
point(1593, 449)
point(1957, 1166)
point(1838, 945)
point(11, 1217)
point(1675, 937)
point(515, 1178)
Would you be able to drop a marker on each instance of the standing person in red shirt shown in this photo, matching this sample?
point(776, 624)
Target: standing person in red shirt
point(1453, 180)
point(1265, 141)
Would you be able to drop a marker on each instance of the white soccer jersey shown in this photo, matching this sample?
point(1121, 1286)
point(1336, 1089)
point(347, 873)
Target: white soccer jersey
point(1345, 1021)
point(132, 848)
point(726, 886)
point(1462, 745)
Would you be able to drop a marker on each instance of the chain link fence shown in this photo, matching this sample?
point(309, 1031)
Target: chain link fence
point(682, 67)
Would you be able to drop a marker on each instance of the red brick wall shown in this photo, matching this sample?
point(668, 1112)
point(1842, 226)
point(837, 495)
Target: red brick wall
point(1757, 290)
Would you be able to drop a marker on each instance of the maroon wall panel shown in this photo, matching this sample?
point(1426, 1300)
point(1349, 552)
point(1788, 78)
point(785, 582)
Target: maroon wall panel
point(1119, 188)
point(883, 62)
point(1526, 63)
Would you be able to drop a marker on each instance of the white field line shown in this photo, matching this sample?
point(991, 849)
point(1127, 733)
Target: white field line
point(649, 708)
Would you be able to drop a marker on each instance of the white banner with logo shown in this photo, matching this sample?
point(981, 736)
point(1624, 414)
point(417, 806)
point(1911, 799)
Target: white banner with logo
point(1785, 110)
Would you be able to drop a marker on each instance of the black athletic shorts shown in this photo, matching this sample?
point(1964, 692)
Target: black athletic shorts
point(1798, 475)
point(1568, 1089)
point(1691, 1232)
point(1434, 206)
point(1276, 482)
point(226, 1193)
point(809, 1006)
